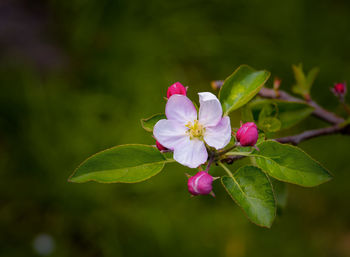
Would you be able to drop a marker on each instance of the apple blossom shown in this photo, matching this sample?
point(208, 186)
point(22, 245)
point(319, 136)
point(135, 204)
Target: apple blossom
point(187, 133)
point(194, 136)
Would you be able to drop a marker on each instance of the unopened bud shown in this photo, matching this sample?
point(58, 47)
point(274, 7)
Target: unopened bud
point(160, 147)
point(176, 89)
point(247, 135)
point(276, 83)
point(200, 184)
point(339, 89)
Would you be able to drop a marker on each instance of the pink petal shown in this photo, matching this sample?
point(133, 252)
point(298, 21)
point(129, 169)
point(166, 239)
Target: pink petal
point(220, 135)
point(179, 108)
point(210, 110)
point(190, 153)
point(168, 133)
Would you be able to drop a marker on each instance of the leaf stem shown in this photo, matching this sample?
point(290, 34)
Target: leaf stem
point(227, 171)
point(169, 161)
point(239, 153)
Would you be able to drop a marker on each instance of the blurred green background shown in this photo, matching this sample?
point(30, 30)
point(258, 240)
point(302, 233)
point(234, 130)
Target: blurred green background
point(77, 76)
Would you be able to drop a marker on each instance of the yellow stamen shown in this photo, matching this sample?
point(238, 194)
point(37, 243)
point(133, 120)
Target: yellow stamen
point(195, 130)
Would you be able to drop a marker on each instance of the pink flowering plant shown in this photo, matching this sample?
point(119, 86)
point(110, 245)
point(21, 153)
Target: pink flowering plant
point(198, 137)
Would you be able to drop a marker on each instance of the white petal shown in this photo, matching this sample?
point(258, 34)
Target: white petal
point(168, 133)
point(180, 109)
point(190, 153)
point(220, 135)
point(210, 110)
point(206, 96)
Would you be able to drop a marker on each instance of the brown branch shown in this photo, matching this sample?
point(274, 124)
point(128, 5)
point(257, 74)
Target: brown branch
point(282, 95)
point(319, 112)
point(296, 139)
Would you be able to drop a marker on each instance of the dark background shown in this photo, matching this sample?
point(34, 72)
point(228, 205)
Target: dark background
point(76, 77)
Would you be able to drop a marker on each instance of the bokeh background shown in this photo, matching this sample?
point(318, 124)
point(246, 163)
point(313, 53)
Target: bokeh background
point(77, 76)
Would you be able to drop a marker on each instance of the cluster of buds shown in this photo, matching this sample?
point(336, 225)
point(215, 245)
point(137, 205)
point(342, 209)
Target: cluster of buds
point(201, 183)
point(247, 135)
point(339, 90)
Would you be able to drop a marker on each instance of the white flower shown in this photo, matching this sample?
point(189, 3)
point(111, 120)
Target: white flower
point(186, 134)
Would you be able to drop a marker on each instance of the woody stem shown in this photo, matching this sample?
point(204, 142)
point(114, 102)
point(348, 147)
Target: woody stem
point(338, 125)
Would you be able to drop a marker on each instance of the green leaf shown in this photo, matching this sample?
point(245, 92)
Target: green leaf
point(268, 110)
point(288, 113)
point(270, 124)
point(311, 76)
point(303, 82)
point(291, 113)
point(240, 87)
point(149, 123)
point(268, 121)
point(251, 189)
point(124, 164)
point(289, 164)
point(281, 192)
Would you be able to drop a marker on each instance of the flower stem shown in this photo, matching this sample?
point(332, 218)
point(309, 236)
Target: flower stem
point(222, 152)
point(346, 107)
point(210, 161)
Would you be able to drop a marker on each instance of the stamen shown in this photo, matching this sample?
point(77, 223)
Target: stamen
point(195, 130)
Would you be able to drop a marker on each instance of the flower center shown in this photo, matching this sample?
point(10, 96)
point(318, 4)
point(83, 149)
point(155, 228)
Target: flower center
point(195, 130)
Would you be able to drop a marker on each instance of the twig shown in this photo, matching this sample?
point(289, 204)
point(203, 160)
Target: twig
point(336, 121)
point(232, 159)
point(296, 139)
point(282, 95)
point(318, 110)
point(270, 93)
point(346, 107)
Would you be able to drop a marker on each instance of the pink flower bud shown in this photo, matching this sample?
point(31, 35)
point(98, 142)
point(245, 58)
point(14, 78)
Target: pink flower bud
point(247, 135)
point(276, 83)
point(339, 89)
point(160, 147)
point(176, 89)
point(200, 184)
